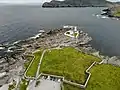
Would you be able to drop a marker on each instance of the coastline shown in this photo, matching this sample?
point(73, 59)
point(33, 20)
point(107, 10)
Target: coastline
point(14, 58)
point(74, 3)
point(108, 12)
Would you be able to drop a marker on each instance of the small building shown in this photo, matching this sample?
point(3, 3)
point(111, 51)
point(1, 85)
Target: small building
point(73, 32)
point(68, 26)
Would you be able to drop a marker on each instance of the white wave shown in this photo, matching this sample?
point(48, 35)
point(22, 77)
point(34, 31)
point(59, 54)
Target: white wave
point(36, 36)
point(101, 16)
point(118, 19)
point(16, 42)
point(9, 49)
point(104, 17)
point(2, 48)
point(98, 15)
point(41, 31)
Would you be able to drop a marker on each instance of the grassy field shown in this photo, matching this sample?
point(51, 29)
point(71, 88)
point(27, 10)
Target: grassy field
point(29, 59)
point(11, 87)
point(67, 62)
point(70, 87)
point(23, 85)
point(117, 14)
point(33, 68)
point(104, 77)
point(116, 11)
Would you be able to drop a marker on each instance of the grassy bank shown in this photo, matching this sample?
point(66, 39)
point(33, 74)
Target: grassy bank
point(11, 87)
point(28, 60)
point(117, 14)
point(116, 11)
point(70, 87)
point(23, 85)
point(104, 77)
point(67, 62)
point(33, 68)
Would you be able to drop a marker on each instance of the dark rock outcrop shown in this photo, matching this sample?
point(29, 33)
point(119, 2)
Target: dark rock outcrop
point(107, 12)
point(75, 3)
point(110, 12)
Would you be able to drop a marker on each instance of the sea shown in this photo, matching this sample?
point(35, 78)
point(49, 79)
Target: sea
point(19, 22)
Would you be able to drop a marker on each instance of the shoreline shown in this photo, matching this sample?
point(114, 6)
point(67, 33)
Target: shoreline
point(19, 43)
point(77, 7)
point(108, 13)
point(14, 59)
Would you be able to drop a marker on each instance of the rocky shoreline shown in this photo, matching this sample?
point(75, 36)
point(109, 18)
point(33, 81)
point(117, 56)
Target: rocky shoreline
point(12, 58)
point(109, 13)
point(74, 3)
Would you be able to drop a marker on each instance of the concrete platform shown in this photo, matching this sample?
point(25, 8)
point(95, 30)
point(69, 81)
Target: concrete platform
point(48, 85)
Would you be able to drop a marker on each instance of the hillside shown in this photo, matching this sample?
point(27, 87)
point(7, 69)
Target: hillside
point(75, 3)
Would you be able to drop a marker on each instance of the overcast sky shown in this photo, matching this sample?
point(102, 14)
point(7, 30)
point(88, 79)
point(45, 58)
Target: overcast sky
point(23, 1)
point(32, 1)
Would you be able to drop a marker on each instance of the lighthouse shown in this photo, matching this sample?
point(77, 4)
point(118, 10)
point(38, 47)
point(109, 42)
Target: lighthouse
point(75, 28)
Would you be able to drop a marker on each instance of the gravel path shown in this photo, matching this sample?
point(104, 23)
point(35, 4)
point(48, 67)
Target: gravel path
point(38, 70)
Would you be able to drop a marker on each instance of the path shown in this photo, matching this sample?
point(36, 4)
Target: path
point(38, 70)
point(31, 85)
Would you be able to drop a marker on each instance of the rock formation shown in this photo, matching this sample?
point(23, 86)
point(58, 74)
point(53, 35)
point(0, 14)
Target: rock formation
point(75, 3)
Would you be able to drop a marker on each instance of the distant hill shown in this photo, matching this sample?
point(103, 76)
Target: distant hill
point(75, 3)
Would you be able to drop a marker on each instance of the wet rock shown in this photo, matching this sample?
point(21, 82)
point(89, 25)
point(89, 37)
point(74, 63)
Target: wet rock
point(2, 74)
point(114, 60)
point(4, 80)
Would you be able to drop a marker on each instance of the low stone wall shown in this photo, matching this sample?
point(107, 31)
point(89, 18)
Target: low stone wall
point(72, 83)
point(89, 75)
point(42, 74)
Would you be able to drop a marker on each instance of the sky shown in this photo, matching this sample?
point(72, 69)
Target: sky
point(33, 1)
point(25, 1)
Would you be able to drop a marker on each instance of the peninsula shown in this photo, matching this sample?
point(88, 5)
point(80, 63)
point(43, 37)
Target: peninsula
point(58, 59)
point(112, 11)
point(75, 3)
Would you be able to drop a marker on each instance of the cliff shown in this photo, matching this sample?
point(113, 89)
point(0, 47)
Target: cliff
point(75, 3)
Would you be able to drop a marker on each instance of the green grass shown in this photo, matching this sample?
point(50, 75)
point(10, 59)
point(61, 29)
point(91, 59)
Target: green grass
point(70, 87)
point(11, 87)
point(23, 85)
point(117, 14)
point(104, 77)
point(67, 62)
point(29, 59)
point(33, 68)
point(75, 34)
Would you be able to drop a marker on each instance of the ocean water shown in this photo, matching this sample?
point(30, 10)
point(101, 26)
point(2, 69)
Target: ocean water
point(21, 22)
